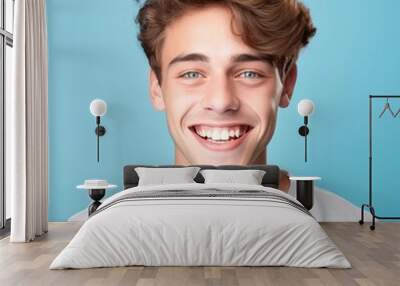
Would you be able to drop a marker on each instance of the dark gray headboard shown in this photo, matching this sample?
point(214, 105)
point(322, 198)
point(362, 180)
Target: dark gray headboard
point(270, 179)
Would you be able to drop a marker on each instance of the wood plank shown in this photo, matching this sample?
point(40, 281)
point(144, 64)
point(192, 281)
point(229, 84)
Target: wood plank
point(375, 257)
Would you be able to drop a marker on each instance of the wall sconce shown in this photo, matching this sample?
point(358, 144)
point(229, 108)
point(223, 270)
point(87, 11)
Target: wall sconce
point(305, 108)
point(98, 108)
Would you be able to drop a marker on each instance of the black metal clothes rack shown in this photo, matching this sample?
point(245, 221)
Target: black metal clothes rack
point(370, 204)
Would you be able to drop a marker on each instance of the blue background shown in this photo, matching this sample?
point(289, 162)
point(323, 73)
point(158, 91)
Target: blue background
point(93, 53)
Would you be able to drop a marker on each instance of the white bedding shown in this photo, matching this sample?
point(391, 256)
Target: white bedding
point(185, 231)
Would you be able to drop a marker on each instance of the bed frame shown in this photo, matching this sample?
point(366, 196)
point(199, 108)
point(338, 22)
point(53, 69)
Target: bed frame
point(270, 179)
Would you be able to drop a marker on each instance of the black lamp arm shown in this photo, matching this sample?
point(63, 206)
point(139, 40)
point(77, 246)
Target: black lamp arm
point(100, 131)
point(303, 131)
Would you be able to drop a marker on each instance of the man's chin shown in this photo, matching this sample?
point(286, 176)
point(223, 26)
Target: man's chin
point(206, 157)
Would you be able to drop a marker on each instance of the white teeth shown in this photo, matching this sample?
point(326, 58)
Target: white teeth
point(219, 134)
point(200, 131)
point(225, 134)
point(216, 135)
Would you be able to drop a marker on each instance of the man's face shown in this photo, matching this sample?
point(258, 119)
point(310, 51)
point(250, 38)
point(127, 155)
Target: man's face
point(220, 96)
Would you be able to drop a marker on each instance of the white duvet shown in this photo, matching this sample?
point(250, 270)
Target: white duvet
point(200, 231)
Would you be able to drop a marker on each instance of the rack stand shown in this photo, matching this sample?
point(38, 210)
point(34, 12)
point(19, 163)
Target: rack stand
point(369, 205)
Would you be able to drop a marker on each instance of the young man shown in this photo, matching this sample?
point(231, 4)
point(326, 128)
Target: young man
point(220, 70)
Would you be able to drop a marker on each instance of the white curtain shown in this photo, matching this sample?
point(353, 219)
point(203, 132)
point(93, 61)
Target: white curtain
point(27, 125)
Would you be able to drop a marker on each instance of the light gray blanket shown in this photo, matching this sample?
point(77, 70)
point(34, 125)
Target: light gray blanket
point(198, 224)
point(205, 194)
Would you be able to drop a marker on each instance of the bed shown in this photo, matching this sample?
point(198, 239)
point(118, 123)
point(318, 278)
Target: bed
point(201, 224)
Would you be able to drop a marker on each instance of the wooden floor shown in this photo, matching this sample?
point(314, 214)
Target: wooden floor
point(374, 255)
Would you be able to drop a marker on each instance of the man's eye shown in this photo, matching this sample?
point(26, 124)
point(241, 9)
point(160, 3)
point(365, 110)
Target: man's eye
point(191, 75)
point(249, 74)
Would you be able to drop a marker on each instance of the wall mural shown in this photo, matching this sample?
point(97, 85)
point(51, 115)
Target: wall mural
point(214, 86)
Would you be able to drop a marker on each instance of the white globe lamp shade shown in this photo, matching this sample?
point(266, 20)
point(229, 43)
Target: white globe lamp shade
point(305, 107)
point(98, 107)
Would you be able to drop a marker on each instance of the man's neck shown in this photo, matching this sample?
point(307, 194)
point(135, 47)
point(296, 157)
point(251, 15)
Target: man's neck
point(181, 160)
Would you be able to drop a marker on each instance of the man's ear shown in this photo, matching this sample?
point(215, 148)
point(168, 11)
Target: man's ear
point(155, 92)
point(288, 86)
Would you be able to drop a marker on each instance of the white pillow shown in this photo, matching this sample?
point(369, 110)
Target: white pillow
point(162, 176)
point(249, 177)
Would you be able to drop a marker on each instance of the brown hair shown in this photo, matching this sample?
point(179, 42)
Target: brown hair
point(277, 28)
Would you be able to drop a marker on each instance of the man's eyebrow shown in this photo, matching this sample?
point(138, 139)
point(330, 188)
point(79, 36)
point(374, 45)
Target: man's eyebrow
point(252, 58)
point(189, 58)
point(194, 57)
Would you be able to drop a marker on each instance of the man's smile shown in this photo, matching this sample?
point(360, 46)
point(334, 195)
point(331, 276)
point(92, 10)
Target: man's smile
point(220, 137)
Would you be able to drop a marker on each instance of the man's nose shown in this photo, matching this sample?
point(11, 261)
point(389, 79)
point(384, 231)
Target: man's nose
point(220, 96)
